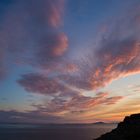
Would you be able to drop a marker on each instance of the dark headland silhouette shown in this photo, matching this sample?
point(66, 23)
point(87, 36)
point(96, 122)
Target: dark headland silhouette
point(129, 129)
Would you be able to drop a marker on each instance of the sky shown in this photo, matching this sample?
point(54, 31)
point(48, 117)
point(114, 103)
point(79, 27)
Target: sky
point(69, 61)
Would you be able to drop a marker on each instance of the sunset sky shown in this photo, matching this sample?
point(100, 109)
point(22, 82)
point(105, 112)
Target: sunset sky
point(69, 61)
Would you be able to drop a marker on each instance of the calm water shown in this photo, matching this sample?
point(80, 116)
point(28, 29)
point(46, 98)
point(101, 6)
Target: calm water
point(53, 132)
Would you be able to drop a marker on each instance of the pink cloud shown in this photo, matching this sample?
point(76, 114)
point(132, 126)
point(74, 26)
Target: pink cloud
point(117, 54)
point(40, 84)
point(30, 34)
point(77, 102)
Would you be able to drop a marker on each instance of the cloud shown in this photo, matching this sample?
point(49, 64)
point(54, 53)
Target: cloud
point(59, 109)
point(28, 117)
point(30, 34)
point(119, 58)
point(113, 100)
point(51, 50)
point(115, 55)
point(47, 11)
point(66, 103)
point(99, 99)
point(134, 88)
point(78, 81)
point(118, 51)
point(64, 99)
point(38, 83)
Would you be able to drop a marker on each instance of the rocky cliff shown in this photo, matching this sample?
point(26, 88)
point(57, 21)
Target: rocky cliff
point(129, 129)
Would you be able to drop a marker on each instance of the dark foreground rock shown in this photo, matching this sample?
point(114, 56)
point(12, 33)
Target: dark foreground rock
point(129, 129)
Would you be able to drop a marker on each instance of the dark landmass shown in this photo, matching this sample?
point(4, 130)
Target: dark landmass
point(104, 123)
point(129, 129)
point(99, 123)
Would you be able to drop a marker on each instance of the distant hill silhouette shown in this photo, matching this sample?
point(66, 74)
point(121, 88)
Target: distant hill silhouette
point(129, 129)
point(99, 123)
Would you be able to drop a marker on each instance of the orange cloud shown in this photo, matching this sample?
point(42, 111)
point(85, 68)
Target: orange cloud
point(119, 58)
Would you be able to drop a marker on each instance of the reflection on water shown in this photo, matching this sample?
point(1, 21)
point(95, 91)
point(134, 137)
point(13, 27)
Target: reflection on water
point(53, 132)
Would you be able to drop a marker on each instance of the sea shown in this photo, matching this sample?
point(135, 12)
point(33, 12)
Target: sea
point(53, 131)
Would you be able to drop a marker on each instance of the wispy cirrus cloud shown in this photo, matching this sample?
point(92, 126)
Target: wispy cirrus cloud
point(119, 58)
point(115, 55)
